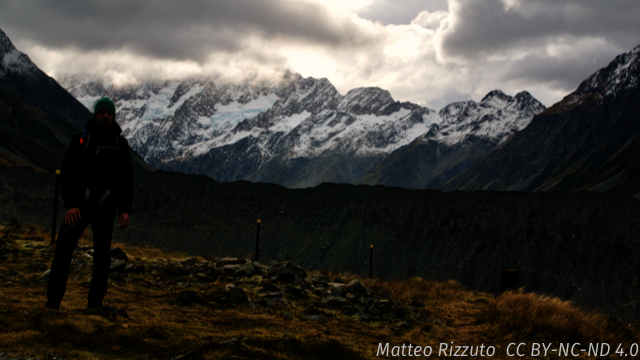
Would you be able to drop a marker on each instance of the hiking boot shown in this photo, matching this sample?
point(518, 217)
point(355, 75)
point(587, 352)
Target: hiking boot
point(52, 305)
point(94, 305)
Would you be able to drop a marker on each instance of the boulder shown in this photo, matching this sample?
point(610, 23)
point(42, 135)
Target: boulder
point(245, 270)
point(237, 295)
point(188, 297)
point(118, 253)
point(356, 287)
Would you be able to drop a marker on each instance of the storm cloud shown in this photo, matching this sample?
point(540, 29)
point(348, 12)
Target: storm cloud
point(427, 52)
point(176, 29)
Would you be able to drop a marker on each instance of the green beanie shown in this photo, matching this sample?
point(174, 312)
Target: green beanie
point(104, 103)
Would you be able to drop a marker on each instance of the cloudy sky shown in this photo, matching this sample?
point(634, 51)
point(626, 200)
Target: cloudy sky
point(428, 52)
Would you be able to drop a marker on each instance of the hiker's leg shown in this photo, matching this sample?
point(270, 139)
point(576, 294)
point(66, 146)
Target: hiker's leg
point(102, 227)
point(65, 244)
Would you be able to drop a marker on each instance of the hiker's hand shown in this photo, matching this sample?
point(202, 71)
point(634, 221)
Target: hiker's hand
point(123, 221)
point(73, 217)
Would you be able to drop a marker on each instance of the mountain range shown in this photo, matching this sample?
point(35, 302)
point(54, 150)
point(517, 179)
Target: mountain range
point(300, 132)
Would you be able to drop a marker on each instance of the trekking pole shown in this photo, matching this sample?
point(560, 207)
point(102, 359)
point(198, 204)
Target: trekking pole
point(55, 208)
point(257, 257)
point(371, 263)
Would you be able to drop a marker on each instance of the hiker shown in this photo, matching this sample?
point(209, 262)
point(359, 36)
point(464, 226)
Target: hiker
point(95, 178)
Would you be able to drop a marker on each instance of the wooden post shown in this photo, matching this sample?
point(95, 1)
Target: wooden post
point(371, 263)
point(257, 256)
point(54, 225)
point(508, 279)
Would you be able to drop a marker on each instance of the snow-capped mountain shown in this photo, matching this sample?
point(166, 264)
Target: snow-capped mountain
point(588, 141)
point(293, 131)
point(464, 132)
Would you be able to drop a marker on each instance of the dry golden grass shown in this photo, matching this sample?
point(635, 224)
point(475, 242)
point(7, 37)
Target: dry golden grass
point(159, 329)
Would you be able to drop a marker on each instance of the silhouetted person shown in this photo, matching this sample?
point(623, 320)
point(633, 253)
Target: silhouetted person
point(96, 177)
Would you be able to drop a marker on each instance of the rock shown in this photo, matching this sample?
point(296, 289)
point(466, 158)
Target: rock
point(338, 280)
point(417, 304)
point(118, 253)
point(204, 278)
point(118, 265)
point(231, 342)
point(269, 287)
point(176, 270)
point(38, 266)
point(316, 318)
point(283, 274)
point(188, 297)
point(44, 277)
point(186, 356)
point(290, 289)
point(300, 272)
point(286, 340)
point(245, 270)
point(272, 295)
point(188, 262)
point(335, 301)
point(318, 277)
point(287, 315)
point(227, 261)
point(356, 287)
point(361, 315)
point(340, 293)
point(136, 269)
point(277, 301)
point(230, 269)
point(237, 295)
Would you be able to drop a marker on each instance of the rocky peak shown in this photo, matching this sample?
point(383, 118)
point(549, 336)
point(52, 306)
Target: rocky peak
point(369, 100)
point(5, 45)
point(621, 74)
point(495, 94)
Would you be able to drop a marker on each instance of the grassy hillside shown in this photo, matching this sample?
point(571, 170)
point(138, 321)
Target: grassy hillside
point(169, 306)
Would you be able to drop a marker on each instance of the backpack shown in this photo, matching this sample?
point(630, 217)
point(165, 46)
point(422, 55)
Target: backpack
point(84, 140)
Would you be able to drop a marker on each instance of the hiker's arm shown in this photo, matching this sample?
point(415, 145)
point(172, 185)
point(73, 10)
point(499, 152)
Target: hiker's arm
point(69, 175)
point(126, 179)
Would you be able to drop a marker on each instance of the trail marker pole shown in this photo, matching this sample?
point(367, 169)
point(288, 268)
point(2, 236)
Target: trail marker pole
point(508, 279)
point(55, 208)
point(257, 257)
point(371, 262)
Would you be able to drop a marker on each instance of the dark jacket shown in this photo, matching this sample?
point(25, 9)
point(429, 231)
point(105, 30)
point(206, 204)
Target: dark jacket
point(101, 163)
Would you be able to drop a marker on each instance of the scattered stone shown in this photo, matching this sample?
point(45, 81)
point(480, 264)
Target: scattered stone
point(439, 322)
point(290, 289)
point(335, 301)
point(188, 262)
point(287, 315)
point(417, 304)
point(231, 342)
point(186, 356)
point(363, 316)
point(269, 287)
point(230, 269)
point(38, 266)
point(204, 278)
point(237, 295)
point(245, 270)
point(338, 280)
point(118, 253)
point(188, 297)
point(118, 265)
point(227, 261)
point(318, 277)
point(283, 274)
point(316, 318)
point(356, 287)
point(135, 269)
point(286, 340)
point(44, 277)
point(300, 272)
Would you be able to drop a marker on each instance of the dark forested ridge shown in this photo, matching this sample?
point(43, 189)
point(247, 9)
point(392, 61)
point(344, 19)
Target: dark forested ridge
point(579, 246)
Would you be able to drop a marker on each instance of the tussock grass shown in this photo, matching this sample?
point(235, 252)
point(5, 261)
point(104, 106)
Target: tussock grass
point(159, 329)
